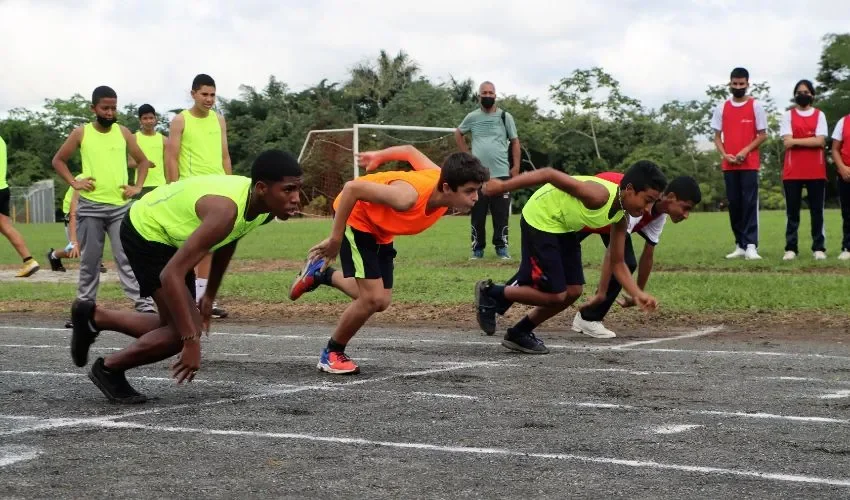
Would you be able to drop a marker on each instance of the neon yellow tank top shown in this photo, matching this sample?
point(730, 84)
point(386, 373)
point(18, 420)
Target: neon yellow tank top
point(151, 146)
point(200, 147)
point(105, 160)
point(167, 214)
point(554, 211)
point(3, 164)
point(66, 201)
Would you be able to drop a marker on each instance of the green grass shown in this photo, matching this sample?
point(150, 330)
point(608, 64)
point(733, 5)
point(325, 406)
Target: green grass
point(690, 277)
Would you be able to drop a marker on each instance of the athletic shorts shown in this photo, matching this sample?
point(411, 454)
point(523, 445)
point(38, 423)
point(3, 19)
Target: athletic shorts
point(550, 262)
point(5, 199)
point(148, 259)
point(362, 257)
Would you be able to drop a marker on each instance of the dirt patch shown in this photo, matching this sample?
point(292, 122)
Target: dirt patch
point(817, 326)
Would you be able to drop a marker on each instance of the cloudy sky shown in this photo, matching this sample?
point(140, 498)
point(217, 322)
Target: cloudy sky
point(149, 51)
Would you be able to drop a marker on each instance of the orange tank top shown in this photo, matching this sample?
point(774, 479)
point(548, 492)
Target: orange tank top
point(382, 221)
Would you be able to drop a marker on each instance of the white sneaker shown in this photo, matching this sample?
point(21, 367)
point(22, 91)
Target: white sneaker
point(789, 255)
point(593, 329)
point(845, 255)
point(739, 252)
point(819, 255)
point(751, 253)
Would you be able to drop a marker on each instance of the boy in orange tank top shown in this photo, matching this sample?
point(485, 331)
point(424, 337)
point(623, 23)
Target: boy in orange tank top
point(369, 212)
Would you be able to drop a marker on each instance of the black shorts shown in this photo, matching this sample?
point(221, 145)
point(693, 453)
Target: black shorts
point(550, 262)
point(362, 257)
point(5, 198)
point(148, 259)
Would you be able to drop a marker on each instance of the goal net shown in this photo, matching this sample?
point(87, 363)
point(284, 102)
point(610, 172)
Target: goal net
point(328, 157)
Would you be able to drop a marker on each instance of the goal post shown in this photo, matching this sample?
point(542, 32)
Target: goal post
point(329, 157)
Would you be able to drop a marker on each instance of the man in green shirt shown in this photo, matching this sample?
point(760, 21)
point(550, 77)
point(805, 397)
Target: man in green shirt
point(496, 145)
point(165, 235)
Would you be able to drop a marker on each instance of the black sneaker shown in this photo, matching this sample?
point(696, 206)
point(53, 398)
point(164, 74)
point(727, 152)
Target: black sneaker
point(218, 312)
point(69, 324)
point(55, 262)
point(114, 385)
point(102, 268)
point(485, 307)
point(83, 330)
point(524, 342)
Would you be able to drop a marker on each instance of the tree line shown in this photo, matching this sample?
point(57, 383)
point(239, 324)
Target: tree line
point(596, 126)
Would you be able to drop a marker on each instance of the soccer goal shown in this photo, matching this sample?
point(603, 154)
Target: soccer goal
point(329, 157)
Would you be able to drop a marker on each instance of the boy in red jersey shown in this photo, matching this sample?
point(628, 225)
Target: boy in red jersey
point(740, 126)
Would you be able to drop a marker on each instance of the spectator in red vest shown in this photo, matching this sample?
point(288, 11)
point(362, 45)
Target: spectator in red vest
point(803, 129)
point(740, 126)
point(841, 156)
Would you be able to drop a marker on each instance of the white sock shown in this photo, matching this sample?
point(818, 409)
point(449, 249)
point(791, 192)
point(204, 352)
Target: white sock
point(53, 255)
point(200, 287)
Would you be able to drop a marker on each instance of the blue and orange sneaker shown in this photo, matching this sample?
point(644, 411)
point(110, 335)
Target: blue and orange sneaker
point(307, 280)
point(337, 363)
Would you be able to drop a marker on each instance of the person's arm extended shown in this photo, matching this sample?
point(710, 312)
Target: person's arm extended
point(620, 270)
point(645, 265)
point(220, 261)
point(172, 149)
point(592, 194)
point(371, 160)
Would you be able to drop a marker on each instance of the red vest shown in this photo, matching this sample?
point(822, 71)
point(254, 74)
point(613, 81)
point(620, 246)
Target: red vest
point(739, 131)
point(804, 163)
point(845, 142)
point(616, 177)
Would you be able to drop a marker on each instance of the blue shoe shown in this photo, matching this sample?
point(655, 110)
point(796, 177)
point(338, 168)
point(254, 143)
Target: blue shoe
point(307, 280)
point(477, 254)
point(503, 254)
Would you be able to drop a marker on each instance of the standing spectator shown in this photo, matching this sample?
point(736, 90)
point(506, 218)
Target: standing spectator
point(841, 156)
point(804, 130)
point(740, 126)
point(492, 131)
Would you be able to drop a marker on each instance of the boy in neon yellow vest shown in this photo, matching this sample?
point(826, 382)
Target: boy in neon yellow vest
point(550, 274)
point(165, 235)
point(197, 145)
point(152, 143)
point(30, 266)
point(104, 192)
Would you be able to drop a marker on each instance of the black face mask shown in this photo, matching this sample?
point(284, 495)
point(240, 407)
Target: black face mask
point(106, 122)
point(739, 93)
point(488, 102)
point(803, 100)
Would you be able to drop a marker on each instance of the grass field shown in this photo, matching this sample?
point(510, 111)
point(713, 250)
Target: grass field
point(690, 277)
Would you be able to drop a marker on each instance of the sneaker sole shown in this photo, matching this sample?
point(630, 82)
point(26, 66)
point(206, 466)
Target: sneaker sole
point(327, 369)
point(487, 331)
point(603, 336)
point(516, 347)
point(295, 292)
point(133, 400)
point(29, 273)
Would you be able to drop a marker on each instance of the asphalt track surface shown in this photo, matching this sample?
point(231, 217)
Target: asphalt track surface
point(435, 413)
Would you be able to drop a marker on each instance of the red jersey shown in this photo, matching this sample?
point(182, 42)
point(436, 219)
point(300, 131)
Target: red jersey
point(739, 131)
point(845, 141)
point(804, 163)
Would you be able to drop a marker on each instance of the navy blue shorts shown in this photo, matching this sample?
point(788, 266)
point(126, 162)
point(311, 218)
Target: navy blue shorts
point(550, 262)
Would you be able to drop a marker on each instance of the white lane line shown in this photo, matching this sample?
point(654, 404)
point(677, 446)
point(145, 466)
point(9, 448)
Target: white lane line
point(702, 332)
point(139, 377)
point(11, 454)
point(675, 428)
point(467, 450)
point(844, 393)
point(58, 423)
point(720, 413)
point(796, 355)
point(448, 396)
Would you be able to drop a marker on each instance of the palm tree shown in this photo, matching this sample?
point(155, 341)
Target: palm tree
point(375, 85)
